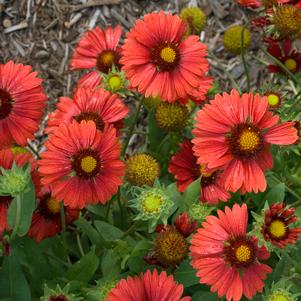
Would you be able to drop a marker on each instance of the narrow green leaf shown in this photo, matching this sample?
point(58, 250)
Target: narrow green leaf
point(13, 284)
point(110, 265)
point(108, 231)
point(84, 269)
point(276, 194)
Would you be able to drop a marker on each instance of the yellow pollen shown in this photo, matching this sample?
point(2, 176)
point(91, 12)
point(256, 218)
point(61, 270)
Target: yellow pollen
point(290, 64)
point(203, 172)
point(243, 253)
point(279, 297)
point(115, 82)
point(53, 205)
point(88, 164)
point(152, 203)
point(107, 58)
point(273, 100)
point(168, 54)
point(277, 228)
point(248, 140)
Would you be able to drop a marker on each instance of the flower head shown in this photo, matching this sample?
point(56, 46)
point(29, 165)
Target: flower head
point(58, 294)
point(171, 116)
point(7, 160)
point(22, 102)
point(185, 224)
point(199, 211)
point(183, 165)
point(234, 133)
point(46, 219)
point(249, 3)
point(287, 21)
point(148, 286)
point(275, 227)
point(153, 205)
point(152, 102)
point(226, 258)
point(98, 49)
point(274, 99)
point(237, 39)
point(99, 106)
point(195, 19)
point(142, 169)
point(290, 58)
point(281, 291)
point(82, 164)
point(159, 61)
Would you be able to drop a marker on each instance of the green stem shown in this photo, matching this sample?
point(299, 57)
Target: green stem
point(259, 59)
point(296, 204)
point(130, 230)
point(221, 66)
point(279, 63)
point(58, 259)
point(120, 205)
point(80, 247)
point(162, 142)
point(18, 217)
point(131, 130)
point(108, 211)
point(243, 59)
point(63, 223)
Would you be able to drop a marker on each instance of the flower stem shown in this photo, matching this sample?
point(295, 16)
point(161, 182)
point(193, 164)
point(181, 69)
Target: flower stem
point(63, 223)
point(282, 66)
point(80, 247)
point(18, 217)
point(243, 59)
point(130, 230)
point(131, 130)
point(221, 66)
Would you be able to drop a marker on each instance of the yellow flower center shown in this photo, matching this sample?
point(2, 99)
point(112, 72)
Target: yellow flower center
point(115, 82)
point(107, 58)
point(53, 205)
point(273, 100)
point(277, 228)
point(290, 64)
point(203, 171)
point(243, 253)
point(88, 164)
point(248, 140)
point(168, 54)
point(279, 297)
point(152, 203)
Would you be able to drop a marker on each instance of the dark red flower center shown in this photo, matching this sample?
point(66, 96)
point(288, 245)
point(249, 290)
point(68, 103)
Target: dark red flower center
point(58, 298)
point(208, 178)
point(93, 116)
point(165, 56)
point(245, 141)
point(277, 229)
point(106, 59)
point(86, 163)
point(49, 207)
point(6, 200)
point(6, 104)
point(240, 251)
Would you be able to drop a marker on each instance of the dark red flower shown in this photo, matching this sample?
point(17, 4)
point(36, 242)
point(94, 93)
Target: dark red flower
point(276, 225)
point(185, 225)
point(289, 57)
point(46, 220)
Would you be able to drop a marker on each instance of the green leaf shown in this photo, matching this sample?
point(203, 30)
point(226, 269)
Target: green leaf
point(13, 284)
point(27, 208)
point(185, 274)
point(110, 265)
point(276, 194)
point(108, 231)
point(84, 269)
point(191, 194)
point(205, 296)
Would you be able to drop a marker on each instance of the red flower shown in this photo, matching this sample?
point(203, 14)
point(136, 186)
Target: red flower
point(249, 3)
point(22, 102)
point(82, 164)
point(185, 168)
point(7, 157)
point(97, 49)
point(46, 220)
point(290, 58)
point(149, 286)
point(185, 225)
point(276, 225)
point(91, 80)
point(159, 61)
point(234, 133)
point(99, 106)
point(226, 258)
